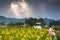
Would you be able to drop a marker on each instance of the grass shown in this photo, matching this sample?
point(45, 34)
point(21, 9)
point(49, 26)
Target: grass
point(28, 33)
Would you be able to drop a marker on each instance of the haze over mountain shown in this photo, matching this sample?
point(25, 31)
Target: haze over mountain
point(6, 20)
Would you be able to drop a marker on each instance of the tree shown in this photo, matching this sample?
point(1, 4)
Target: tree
point(56, 23)
point(41, 20)
point(53, 23)
point(35, 20)
point(2, 23)
point(10, 24)
point(19, 23)
point(31, 21)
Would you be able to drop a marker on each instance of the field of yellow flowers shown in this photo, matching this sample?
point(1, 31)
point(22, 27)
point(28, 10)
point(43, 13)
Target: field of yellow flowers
point(19, 33)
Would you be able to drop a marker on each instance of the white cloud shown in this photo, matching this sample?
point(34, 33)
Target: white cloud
point(20, 9)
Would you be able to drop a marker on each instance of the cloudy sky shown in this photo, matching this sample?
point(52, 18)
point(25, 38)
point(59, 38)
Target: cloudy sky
point(30, 8)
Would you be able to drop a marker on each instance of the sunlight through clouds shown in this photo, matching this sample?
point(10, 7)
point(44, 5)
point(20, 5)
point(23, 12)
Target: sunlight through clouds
point(20, 9)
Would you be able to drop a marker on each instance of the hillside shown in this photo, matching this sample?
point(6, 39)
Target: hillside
point(5, 19)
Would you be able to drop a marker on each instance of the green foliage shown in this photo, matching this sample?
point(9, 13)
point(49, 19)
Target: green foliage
point(11, 24)
point(15, 24)
point(33, 21)
point(2, 23)
point(42, 21)
point(56, 23)
point(19, 23)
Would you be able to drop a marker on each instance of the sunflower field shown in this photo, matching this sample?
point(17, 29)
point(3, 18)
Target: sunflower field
point(19, 33)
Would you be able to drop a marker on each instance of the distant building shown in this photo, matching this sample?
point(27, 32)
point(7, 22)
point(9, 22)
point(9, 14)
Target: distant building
point(26, 25)
point(37, 25)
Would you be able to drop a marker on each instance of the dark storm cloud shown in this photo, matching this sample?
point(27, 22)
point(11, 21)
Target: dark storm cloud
point(40, 8)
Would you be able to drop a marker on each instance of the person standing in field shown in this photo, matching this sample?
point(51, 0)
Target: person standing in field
point(51, 31)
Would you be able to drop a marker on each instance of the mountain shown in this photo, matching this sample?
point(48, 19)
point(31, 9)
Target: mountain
point(5, 19)
point(47, 20)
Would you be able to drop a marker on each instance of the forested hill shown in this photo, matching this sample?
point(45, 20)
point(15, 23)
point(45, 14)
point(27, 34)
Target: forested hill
point(5, 19)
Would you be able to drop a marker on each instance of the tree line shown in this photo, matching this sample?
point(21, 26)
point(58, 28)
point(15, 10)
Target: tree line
point(32, 21)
